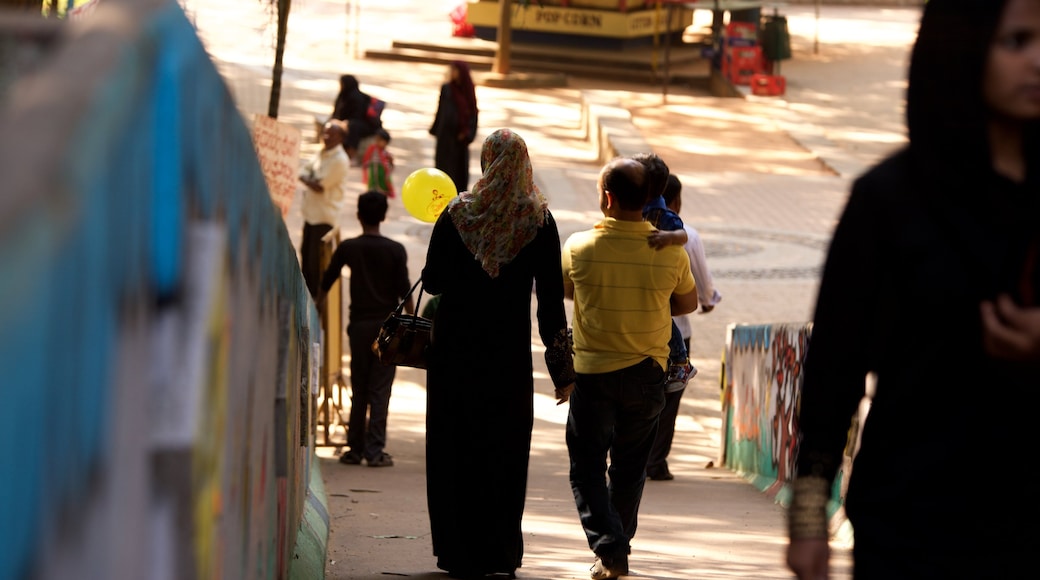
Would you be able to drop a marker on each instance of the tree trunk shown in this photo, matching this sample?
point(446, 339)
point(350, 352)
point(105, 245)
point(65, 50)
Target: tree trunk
point(505, 37)
point(279, 51)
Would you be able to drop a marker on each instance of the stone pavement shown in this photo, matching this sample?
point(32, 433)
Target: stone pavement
point(764, 180)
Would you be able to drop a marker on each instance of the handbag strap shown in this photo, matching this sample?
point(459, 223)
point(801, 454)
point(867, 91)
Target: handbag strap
point(418, 299)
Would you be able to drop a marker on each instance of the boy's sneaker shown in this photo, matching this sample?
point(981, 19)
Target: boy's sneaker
point(678, 376)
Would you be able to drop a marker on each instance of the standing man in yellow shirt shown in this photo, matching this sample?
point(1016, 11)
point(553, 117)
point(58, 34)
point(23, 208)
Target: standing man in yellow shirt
point(624, 293)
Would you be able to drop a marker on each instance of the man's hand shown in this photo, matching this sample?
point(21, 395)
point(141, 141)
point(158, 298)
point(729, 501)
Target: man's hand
point(312, 184)
point(1009, 331)
point(809, 558)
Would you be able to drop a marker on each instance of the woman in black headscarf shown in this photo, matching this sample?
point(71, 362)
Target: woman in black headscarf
point(455, 125)
point(931, 284)
point(352, 106)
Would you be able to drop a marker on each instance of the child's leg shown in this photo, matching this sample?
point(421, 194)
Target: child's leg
point(680, 371)
point(677, 354)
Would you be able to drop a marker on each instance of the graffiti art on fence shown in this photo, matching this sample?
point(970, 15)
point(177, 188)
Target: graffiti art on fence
point(763, 377)
point(102, 302)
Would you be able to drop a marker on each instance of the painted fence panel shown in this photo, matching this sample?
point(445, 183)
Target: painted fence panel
point(761, 389)
point(762, 382)
point(156, 337)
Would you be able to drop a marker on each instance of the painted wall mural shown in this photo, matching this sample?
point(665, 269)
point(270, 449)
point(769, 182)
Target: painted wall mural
point(761, 387)
point(155, 331)
point(762, 380)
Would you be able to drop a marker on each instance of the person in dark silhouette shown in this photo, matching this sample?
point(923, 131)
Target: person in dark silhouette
point(378, 282)
point(931, 284)
point(455, 125)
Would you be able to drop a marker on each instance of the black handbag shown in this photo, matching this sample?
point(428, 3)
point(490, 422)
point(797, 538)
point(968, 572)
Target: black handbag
point(404, 338)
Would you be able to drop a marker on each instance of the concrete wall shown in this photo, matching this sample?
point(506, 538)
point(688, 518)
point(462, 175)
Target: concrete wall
point(158, 347)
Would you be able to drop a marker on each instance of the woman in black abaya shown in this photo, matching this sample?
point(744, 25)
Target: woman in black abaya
point(455, 125)
point(487, 250)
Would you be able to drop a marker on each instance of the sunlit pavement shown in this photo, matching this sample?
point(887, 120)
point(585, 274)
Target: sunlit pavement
point(764, 180)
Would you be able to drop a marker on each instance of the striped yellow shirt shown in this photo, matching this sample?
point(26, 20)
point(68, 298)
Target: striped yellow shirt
point(622, 291)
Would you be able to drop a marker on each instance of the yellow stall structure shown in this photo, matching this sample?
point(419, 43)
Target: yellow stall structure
point(604, 24)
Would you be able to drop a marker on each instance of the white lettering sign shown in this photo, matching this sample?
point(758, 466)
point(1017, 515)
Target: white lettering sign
point(278, 150)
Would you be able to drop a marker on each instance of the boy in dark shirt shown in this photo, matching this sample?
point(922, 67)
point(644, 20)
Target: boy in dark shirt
point(378, 282)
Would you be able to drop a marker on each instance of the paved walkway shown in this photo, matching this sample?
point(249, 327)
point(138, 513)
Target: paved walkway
point(764, 180)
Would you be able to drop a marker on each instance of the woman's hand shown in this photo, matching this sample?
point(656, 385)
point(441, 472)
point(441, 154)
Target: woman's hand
point(1009, 331)
point(809, 558)
point(563, 395)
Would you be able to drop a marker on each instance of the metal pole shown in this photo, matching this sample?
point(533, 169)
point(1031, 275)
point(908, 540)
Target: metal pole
point(716, 21)
point(667, 53)
point(816, 40)
point(354, 28)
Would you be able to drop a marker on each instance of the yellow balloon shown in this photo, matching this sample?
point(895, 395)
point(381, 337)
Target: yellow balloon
point(426, 192)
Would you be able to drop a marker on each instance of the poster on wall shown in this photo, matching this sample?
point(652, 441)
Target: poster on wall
point(278, 150)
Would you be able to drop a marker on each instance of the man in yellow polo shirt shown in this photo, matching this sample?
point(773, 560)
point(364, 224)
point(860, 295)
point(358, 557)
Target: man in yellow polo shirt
point(624, 293)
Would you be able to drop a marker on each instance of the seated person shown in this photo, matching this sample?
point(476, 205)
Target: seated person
point(355, 108)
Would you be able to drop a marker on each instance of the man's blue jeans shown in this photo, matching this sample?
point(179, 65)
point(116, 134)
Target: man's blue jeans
point(612, 413)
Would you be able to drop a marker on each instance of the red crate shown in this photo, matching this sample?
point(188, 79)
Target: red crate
point(741, 62)
point(741, 34)
point(768, 85)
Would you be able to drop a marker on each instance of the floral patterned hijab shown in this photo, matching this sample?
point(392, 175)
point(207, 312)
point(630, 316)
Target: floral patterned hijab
point(502, 212)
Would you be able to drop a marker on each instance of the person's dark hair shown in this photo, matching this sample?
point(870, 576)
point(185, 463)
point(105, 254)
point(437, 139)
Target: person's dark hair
point(383, 134)
point(945, 108)
point(372, 208)
point(672, 189)
point(348, 83)
point(656, 173)
point(626, 183)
